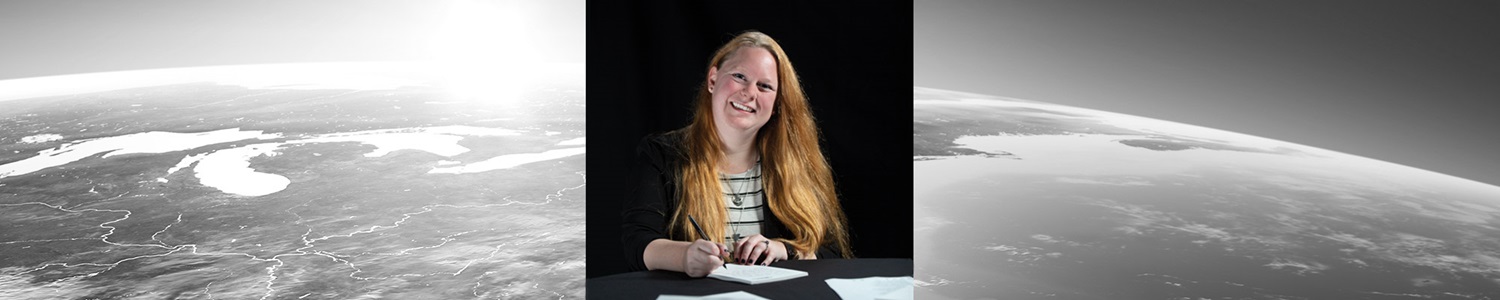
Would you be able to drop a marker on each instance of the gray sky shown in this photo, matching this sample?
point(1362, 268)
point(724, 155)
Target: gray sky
point(56, 37)
point(1410, 82)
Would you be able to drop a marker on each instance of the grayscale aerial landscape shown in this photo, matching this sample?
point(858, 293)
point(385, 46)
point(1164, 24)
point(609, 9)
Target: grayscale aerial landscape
point(296, 181)
point(1018, 199)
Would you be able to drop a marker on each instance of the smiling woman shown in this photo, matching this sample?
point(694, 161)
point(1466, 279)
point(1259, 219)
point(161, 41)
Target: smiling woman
point(707, 111)
point(748, 166)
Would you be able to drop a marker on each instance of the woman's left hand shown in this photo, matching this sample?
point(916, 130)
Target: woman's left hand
point(748, 250)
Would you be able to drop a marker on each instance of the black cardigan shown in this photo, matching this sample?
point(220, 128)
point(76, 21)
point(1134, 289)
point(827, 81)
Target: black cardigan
point(648, 209)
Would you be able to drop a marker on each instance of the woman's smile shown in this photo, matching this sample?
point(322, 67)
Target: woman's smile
point(742, 107)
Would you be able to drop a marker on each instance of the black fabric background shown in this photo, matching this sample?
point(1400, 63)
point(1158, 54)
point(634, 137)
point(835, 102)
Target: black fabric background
point(646, 60)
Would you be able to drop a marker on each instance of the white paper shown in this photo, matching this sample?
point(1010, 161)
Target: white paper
point(872, 288)
point(903, 293)
point(740, 295)
point(755, 274)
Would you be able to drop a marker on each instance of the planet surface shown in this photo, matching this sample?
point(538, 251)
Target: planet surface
point(299, 181)
point(1018, 199)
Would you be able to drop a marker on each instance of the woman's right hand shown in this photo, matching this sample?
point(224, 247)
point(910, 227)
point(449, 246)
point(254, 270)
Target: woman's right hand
point(703, 257)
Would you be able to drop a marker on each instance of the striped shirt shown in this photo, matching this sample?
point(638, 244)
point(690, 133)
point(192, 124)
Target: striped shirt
point(745, 217)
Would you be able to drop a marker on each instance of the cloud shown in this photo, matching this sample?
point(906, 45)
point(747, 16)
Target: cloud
point(1106, 181)
point(1302, 268)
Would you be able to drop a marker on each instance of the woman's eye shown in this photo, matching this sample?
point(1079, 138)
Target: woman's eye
point(766, 87)
point(738, 76)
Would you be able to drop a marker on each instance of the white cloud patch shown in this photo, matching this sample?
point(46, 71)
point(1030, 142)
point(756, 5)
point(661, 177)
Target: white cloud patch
point(1022, 254)
point(1300, 267)
point(41, 138)
point(1416, 250)
point(1401, 295)
point(1053, 240)
point(1107, 181)
point(1001, 248)
point(1348, 239)
point(1140, 220)
point(1205, 231)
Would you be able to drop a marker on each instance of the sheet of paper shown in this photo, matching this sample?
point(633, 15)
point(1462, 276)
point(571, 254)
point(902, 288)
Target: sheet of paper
point(740, 295)
point(872, 288)
point(754, 274)
point(904, 293)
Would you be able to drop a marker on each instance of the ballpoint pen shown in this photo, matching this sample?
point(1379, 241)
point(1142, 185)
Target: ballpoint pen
point(704, 236)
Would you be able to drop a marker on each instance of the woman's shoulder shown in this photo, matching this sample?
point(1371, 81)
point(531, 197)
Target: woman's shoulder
point(662, 146)
point(664, 142)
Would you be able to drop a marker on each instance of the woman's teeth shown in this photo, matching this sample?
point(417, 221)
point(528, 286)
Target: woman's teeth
point(739, 106)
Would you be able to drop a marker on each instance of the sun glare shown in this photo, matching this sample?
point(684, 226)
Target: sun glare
point(483, 51)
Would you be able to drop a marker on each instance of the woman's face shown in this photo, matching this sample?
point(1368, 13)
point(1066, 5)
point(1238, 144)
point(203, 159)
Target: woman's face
point(744, 90)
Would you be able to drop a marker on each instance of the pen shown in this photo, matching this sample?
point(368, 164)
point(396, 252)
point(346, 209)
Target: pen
point(702, 235)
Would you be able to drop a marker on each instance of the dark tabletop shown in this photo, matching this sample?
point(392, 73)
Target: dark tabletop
point(649, 284)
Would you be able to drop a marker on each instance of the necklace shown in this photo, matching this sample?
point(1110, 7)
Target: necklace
point(737, 197)
point(738, 201)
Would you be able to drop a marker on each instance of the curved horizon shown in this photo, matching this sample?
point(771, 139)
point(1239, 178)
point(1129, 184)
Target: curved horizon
point(1330, 151)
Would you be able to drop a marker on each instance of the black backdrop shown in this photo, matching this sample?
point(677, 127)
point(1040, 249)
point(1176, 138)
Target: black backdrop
point(646, 60)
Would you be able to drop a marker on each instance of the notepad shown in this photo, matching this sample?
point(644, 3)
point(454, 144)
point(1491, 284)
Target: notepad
point(755, 274)
point(740, 295)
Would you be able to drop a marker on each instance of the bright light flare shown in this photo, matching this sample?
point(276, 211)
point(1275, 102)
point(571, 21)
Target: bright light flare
point(483, 51)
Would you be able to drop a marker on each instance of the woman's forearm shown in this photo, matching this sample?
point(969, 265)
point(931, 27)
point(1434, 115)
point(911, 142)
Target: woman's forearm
point(665, 254)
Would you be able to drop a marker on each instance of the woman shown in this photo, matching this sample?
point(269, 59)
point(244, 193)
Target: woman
point(747, 170)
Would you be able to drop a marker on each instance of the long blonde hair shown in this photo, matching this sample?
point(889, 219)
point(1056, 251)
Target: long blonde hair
point(798, 181)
